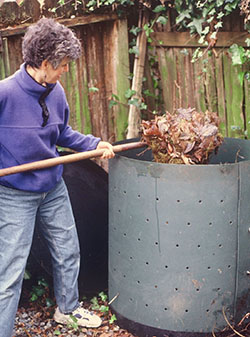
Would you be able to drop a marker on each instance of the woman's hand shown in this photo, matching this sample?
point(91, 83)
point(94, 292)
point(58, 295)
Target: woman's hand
point(108, 150)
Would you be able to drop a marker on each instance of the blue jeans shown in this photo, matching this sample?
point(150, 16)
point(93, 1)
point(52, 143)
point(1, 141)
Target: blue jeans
point(18, 212)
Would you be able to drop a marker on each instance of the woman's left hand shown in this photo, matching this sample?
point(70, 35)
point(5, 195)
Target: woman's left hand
point(108, 150)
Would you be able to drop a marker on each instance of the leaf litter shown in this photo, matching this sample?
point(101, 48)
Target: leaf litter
point(184, 137)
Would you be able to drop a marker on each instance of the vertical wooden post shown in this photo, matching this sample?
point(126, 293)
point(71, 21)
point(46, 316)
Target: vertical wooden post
point(118, 75)
point(134, 112)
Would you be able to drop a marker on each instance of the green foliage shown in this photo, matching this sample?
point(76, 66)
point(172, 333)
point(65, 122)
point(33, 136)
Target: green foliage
point(241, 56)
point(27, 275)
point(73, 324)
point(40, 292)
point(99, 303)
point(93, 89)
point(205, 18)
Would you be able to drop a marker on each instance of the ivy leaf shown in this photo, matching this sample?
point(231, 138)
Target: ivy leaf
point(103, 296)
point(129, 93)
point(162, 19)
point(33, 298)
point(49, 302)
point(104, 308)
point(134, 102)
point(159, 9)
point(247, 42)
point(93, 89)
point(134, 50)
point(112, 103)
point(27, 275)
point(143, 106)
point(112, 319)
point(135, 30)
point(205, 30)
point(213, 36)
point(182, 16)
point(218, 25)
point(220, 15)
point(197, 24)
point(219, 3)
point(238, 54)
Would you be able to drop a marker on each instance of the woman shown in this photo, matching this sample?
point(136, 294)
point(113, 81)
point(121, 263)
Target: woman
point(33, 120)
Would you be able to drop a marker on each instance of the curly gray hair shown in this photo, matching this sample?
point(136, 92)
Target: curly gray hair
point(51, 41)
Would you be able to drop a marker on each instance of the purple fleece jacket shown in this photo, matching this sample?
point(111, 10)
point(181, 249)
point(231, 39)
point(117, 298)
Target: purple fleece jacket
point(23, 139)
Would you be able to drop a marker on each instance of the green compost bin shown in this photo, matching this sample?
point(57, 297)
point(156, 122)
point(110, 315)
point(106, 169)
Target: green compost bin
point(179, 242)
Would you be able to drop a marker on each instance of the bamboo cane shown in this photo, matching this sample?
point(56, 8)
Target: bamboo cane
point(41, 164)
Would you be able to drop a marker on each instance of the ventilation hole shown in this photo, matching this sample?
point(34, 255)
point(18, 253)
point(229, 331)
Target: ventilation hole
point(189, 224)
point(230, 222)
point(166, 222)
point(186, 310)
point(177, 245)
point(200, 201)
point(147, 263)
point(178, 200)
point(146, 305)
point(156, 286)
point(197, 289)
point(124, 192)
point(166, 267)
point(198, 246)
point(139, 239)
point(139, 196)
point(218, 289)
point(208, 267)
point(119, 211)
point(131, 258)
point(156, 243)
point(176, 289)
point(124, 276)
point(220, 245)
point(222, 201)
point(124, 234)
point(147, 220)
point(210, 223)
point(138, 282)
point(131, 299)
point(157, 199)
point(165, 309)
point(229, 266)
point(119, 253)
point(207, 310)
point(187, 267)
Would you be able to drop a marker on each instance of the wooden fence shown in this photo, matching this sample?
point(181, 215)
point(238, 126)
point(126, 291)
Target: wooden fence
point(212, 83)
point(102, 70)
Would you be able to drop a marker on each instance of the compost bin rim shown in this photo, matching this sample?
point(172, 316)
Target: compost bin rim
point(181, 165)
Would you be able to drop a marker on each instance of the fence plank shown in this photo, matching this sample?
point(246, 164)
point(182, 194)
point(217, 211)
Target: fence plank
point(234, 97)
point(221, 99)
point(120, 75)
point(210, 84)
point(247, 106)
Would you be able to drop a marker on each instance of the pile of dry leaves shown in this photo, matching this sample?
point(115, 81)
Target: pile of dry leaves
point(185, 137)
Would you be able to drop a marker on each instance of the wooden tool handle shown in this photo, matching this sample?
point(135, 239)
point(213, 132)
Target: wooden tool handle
point(41, 164)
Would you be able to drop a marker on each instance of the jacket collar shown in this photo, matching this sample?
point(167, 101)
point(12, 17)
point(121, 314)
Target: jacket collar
point(28, 84)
